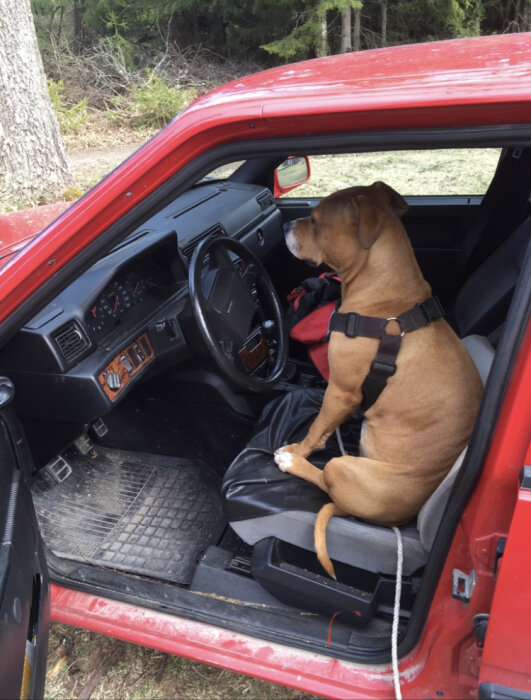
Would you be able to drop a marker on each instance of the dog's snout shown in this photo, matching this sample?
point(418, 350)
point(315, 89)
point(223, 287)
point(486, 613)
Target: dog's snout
point(288, 227)
point(292, 241)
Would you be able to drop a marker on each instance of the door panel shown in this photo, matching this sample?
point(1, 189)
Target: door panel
point(506, 662)
point(24, 595)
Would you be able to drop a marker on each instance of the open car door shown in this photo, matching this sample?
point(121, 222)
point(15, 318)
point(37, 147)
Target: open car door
point(24, 590)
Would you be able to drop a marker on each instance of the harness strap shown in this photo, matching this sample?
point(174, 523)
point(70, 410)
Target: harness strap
point(353, 325)
point(384, 364)
point(382, 367)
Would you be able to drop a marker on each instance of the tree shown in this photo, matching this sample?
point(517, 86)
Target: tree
point(356, 36)
point(346, 8)
point(384, 22)
point(346, 30)
point(33, 164)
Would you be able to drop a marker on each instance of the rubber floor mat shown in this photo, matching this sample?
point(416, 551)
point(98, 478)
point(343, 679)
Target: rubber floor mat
point(145, 514)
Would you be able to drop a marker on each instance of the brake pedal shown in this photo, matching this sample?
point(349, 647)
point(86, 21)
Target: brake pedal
point(83, 444)
point(59, 469)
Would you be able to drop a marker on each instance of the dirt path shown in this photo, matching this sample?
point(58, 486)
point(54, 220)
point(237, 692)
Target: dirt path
point(89, 165)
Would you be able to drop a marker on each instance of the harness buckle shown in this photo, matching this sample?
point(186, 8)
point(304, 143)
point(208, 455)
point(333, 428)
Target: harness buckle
point(431, 309)
point(351, 324)
point(386, 369)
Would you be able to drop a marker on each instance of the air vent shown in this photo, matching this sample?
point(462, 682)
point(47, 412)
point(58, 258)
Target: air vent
point(72, 342)
point(188, 249)
point(265, 200)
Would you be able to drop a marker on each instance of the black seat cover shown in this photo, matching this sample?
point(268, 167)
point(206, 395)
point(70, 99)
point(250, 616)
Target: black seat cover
point(254, 486)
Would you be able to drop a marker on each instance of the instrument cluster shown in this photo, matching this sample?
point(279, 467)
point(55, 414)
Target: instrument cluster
point(139, 287)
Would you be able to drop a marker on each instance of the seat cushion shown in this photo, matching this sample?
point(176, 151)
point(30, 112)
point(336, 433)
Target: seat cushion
point(253, 485)
point(261, 501)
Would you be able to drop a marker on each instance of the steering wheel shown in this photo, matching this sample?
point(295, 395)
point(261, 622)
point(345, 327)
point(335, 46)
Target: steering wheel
point(238, 312)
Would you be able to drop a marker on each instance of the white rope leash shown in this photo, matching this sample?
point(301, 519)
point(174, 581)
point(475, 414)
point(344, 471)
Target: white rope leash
point(396, 612)
point(340, 442)
point(398, 592)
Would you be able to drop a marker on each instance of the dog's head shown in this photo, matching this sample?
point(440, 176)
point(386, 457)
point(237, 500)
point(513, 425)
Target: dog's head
point(345, 223)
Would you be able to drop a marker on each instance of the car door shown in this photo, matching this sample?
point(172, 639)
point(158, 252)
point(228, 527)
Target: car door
point(24, 590)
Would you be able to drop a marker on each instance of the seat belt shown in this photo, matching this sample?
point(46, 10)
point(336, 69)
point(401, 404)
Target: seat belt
point(500, 213)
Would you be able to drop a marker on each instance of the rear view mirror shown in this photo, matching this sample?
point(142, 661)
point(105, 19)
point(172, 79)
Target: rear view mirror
point(294, 171)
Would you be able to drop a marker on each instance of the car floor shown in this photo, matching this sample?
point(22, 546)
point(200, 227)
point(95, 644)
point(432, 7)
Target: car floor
point(146, 498)
point(145, 501)
point(142, 513)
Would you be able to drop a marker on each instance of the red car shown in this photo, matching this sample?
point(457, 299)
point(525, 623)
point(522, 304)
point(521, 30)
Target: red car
point(143, 346)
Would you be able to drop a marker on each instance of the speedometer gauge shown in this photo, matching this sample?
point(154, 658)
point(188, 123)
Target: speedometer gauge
point(136, 284)
point(110, 305)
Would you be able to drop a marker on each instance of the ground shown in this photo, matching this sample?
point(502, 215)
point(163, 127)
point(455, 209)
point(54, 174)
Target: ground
point(83, 664)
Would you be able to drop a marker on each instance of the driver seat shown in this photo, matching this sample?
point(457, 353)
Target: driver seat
point(260, 501)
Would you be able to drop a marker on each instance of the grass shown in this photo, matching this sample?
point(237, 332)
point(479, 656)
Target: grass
point(432, 172)
point(83, 664)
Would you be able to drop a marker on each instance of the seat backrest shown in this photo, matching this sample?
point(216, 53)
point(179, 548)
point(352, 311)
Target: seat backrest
point(482, 304)
point(501, 211)
point(429, 517)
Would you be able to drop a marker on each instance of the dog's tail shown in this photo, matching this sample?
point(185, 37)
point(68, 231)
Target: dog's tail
point(319, 535)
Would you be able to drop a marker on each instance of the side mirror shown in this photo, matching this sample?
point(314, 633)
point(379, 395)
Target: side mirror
point(294, 171)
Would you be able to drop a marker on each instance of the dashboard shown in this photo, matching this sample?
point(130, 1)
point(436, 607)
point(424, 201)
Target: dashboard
point(122, 317)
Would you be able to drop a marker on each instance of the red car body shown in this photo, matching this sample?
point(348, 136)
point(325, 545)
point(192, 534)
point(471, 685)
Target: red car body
point(467, 83)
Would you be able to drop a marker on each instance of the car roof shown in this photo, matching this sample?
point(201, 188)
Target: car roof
point(486, 70)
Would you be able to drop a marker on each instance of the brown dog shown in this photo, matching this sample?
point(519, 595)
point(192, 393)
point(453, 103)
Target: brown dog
point(423, 418)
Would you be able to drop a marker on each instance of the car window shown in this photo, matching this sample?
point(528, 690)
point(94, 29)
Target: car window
point(223, 172)
point(428, 172)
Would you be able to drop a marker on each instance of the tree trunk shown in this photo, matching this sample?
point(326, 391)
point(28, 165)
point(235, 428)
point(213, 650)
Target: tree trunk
point(523, 17)
point(356, 35)
point(79, 32)
point(33, 163)
point(322, 49)
point(384, 22)
point(346, 30)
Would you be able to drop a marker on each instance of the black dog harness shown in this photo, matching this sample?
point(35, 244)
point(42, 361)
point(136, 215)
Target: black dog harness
point(384, 364)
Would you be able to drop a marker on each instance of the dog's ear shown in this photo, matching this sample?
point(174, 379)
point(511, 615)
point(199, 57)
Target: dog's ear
point(373, 211)
point(371, 220)
point(390, 197)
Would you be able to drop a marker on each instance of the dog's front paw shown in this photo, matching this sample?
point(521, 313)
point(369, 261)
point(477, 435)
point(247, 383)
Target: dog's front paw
point(283, 459)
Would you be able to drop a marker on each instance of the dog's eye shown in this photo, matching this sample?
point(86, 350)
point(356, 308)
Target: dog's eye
point(312, 221)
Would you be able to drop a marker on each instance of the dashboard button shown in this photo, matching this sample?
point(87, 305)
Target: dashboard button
point(134, 358)
point(140, 353)
point(113, 381)
point(126, 363)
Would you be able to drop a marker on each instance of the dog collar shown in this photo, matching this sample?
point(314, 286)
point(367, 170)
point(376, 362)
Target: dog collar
point(383, 366)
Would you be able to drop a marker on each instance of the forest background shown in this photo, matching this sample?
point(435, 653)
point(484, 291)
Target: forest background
point(118, 70)
point(138, 62)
